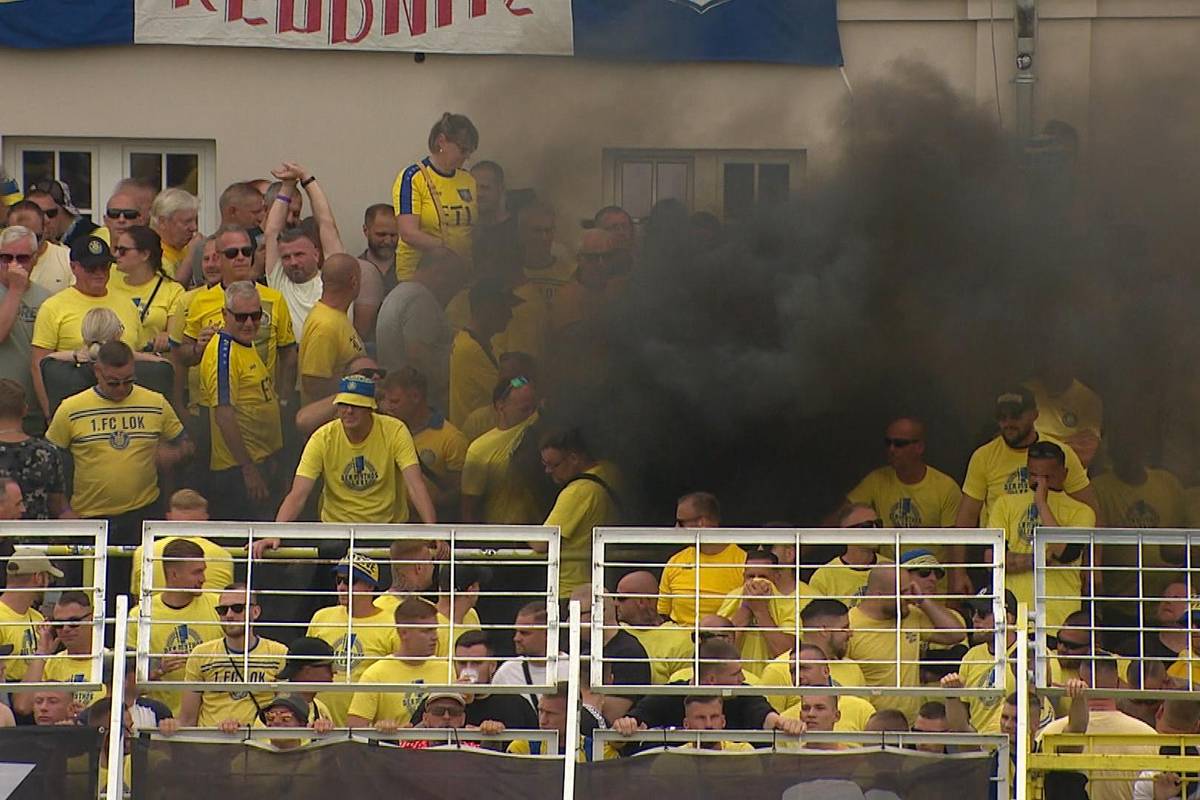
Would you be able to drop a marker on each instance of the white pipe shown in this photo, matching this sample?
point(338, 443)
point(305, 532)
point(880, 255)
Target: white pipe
point(571, 748)
point(116, 720)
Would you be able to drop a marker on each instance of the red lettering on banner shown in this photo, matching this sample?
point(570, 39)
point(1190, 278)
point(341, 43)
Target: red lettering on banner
point(185, 3)
point(414, 12)
point(312, 16)
point(516, 12)
point(478, 8)
point(339, 21)
point(234, 12)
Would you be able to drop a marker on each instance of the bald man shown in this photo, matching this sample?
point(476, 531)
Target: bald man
point(584, 297)
point(669, 646)
point(892, 601)
point(330, 341)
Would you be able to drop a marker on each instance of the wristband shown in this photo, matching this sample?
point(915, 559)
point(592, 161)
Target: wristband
point(304, 183)
point(282, 198)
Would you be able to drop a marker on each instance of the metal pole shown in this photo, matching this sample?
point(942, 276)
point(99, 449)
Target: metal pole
point(1022, 683)
point(1025, 23)
point(571, 747)
point(116, 721)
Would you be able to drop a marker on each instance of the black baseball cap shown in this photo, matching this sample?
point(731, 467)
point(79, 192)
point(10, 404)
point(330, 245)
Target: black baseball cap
point(490, 290)
point(1016, 399)
point(982, 602)
point(306, 651)
point(91, 251)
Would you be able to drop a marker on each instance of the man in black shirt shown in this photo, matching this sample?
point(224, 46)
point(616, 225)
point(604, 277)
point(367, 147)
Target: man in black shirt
point(474, 664)
point(626, 662)
point(720, 665)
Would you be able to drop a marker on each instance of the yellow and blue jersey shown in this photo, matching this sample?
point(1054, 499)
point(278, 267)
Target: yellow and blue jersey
point(455, 194)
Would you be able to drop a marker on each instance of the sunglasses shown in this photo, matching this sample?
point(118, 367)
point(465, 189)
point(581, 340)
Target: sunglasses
point(446, 711)
point(870, 523)
point(71, 622)
point(50, 213)
point(107, 265)
point(232, 252)
point(122, 213)
point(236, 608)
point(22, 259)
point(244, 317)
point(121, 250)
point(515, 383)
point(374, 373)
point(1006, 415)
point(898, 443)
point(118, 383)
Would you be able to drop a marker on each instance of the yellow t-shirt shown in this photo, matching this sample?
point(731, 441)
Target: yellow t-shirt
point(1108, 784)
point(388, 602)
point(855, 711)
point(480, 421)
point(530, 324)
point(548, 280)
point(64, 668)
point(329, 343)
point(233, 374)
point(931, 502)
point(441, 449)
point(1156, 503)
point(1017, 514)
point(756, 653)
point(669, 647)
point(176, 319)
point(176, 632)
point(398, 706)
point(114, 447)
point(214, 662)
point(274, 332)
point(218, 571)
point(720, 574)
point(370, 638)
point(363, 481)
point(841, 581)
point(1188, 664)
point(876, 641)
point(455, 193)
point(59, 323)
point(506, 500)
point(977, 672)
point(996, 469)
point(582, 505)
point(779, 673)
point(1076, 410)
point(164, 299)
point(473, 377)
point(21, 631)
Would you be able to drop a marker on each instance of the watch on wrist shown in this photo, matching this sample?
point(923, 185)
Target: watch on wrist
point(304, 183)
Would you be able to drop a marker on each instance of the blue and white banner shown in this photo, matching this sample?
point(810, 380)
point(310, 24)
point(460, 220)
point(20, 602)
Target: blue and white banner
point(783, 31)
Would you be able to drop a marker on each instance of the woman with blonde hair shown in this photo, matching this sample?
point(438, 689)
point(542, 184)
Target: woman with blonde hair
point(435, 198)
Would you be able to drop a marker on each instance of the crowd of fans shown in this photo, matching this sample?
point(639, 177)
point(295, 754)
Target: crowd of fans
point(261, 372)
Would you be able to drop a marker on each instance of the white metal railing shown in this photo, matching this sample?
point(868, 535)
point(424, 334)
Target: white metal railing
point(624, 544)
point(464, 545)
point(547, 740)
point(70, 544)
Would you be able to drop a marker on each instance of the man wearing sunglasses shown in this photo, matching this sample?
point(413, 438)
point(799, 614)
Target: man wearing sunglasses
point(64, 222)
point(239, 390)
point(240, 656)
point(845, 577)
point(51, 266)
point(119, 436)
point(999, 468)
point(59, 324)
point(64, 651)
point(20, 300)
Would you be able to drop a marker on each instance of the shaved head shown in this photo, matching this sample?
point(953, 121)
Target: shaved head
point(640, 582)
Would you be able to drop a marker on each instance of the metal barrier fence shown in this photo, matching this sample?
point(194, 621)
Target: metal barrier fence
point(707, 597)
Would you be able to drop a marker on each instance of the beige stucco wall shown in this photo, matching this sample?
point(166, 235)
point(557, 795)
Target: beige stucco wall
point(355, 118)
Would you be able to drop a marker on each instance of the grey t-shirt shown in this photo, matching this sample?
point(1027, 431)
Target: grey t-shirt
point(410, 314)
point(15, 350)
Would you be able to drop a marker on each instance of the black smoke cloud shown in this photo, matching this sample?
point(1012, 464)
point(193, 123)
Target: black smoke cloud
point(940, 261)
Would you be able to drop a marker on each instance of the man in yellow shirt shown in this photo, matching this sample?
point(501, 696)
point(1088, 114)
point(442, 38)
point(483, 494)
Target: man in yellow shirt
point(1071, 411)
point(491, 491)
point(1048, 505)
point(684, 596)
point(811, 667)
point(29, 573)
point(845, 577)
point(888, 627)
point(908, 493)
point(999, 468)
point(182, 616)
point(702, 713)
point(70, 628)
point(186, 505)
point(367, 461)
point(330, 342)
point(441, 447)
point(238, 389)
point(977, 670)
point(59, 323)
point(473, 367)
point(765, 617)
point(669, 646)
point(174, 216)
point(588, 500)
point(415, 663)
point(240, 656)
point(359, 632)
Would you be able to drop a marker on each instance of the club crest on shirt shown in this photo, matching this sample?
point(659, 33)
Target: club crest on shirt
point(905, 514)
point(1017, 482)
point(1070, 419)
point(912, 637)
point(360, 474)
point(118, 440)
point(1030, 520)
point(1141, 515)
point(339, 652)
point(465, 194)
point(181, 641)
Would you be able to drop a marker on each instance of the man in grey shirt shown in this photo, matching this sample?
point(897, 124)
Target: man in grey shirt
point(20, 300)
point(413, 330)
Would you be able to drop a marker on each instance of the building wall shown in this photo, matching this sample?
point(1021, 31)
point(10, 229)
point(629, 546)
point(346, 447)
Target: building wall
point(355, 118)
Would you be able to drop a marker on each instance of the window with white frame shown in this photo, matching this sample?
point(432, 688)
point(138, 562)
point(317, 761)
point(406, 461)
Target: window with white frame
point(92, 167)
point(729, 183)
